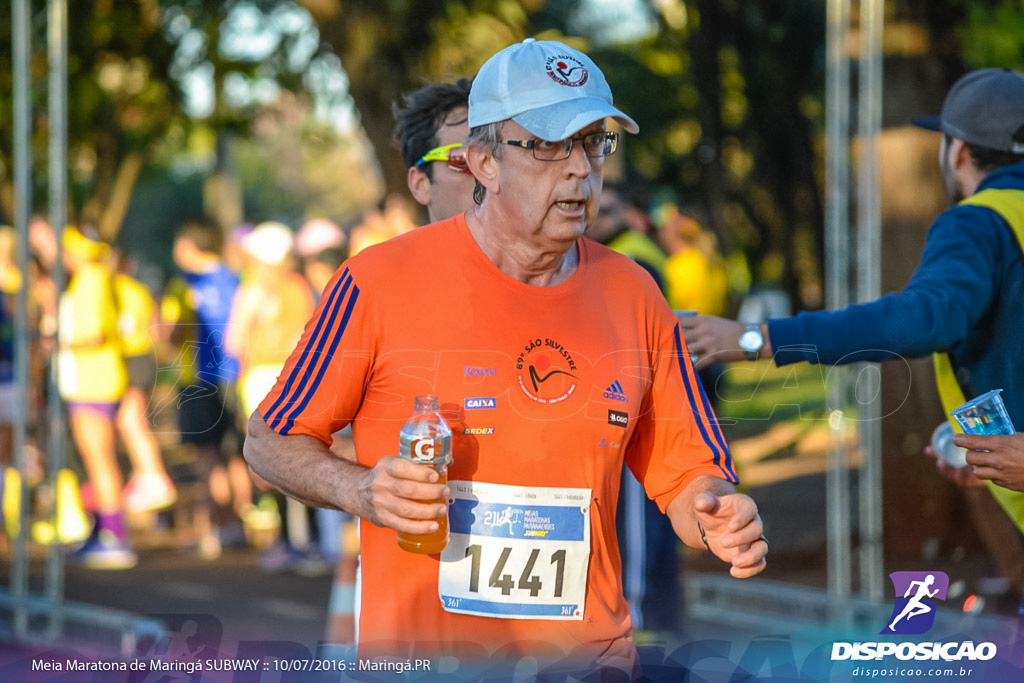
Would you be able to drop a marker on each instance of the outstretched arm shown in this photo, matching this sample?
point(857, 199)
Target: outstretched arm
point(912, 587)
point(709, 508)
point(716, 340)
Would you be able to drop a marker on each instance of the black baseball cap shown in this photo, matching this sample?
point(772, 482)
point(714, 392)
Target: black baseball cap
point(985, 108)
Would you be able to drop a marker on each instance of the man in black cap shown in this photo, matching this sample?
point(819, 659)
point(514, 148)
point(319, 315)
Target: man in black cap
point(965, 301)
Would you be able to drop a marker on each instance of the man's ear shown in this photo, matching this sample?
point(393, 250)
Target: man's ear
point(419, 185)
point(959, 155)
point(484, 167)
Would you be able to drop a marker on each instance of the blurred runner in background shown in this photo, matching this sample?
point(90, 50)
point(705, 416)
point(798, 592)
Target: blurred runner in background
point(196, 307)
point(92, 380)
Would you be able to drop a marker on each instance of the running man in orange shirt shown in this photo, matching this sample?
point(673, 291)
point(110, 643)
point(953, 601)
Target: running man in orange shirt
point(521, 326)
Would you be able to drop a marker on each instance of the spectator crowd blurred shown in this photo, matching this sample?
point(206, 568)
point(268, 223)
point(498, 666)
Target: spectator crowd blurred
point(157, 383)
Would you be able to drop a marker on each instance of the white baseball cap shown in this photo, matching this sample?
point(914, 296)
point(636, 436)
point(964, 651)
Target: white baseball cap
point(547, 87)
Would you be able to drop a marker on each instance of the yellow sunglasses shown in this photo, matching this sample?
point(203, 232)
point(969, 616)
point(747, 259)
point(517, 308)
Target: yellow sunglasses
point(454, 154)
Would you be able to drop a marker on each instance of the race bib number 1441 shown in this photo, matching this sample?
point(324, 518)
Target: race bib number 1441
point(516, 552)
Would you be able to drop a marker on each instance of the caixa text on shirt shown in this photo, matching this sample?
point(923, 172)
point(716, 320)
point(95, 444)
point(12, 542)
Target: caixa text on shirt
point(480, 403)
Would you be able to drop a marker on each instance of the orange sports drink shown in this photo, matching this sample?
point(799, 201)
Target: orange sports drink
point(426, 439)
point(429, 544)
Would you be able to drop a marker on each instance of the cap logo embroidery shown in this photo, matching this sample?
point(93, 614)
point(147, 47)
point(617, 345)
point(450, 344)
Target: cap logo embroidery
point(566, 70)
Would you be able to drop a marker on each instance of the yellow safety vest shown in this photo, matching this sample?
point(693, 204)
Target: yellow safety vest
point(1010, 205)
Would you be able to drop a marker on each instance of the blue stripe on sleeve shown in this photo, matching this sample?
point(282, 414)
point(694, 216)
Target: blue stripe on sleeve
point(292, 387)
point(310, 389)
point(726, 468)
point(717, 431)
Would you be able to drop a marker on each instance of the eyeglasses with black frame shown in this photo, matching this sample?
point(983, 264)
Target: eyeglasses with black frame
point(595, 145)
point(454, 154)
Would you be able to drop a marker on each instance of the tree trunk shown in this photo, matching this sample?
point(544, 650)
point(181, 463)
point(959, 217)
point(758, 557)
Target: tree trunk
point(116, 207)
point(7, 200)
point(380, 50)
point(705, 47)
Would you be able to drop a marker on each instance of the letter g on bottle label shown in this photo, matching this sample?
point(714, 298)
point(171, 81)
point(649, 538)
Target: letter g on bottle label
point(424, 450)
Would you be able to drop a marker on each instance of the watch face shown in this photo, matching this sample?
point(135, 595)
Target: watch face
point(751, 340)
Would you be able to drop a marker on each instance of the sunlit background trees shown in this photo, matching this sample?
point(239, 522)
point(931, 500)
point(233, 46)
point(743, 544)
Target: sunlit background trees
point(275, 108)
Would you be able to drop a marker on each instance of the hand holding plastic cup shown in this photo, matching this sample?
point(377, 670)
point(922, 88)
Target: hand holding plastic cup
point(985, 414)
point(942, 444)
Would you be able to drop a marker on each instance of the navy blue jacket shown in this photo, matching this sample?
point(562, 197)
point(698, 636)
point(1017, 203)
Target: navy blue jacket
point(966, 298)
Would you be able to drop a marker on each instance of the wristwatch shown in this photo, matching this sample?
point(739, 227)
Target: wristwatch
point(752, 340)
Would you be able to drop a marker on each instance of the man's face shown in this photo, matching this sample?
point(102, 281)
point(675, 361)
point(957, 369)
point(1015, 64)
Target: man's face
point(553, 200)
point(451, 192)
point(187, 255)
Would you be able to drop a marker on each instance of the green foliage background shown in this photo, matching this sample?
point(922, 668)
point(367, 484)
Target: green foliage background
point(728, 94)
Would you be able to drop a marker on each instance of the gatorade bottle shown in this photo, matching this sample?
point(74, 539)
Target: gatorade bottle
point(426, 439)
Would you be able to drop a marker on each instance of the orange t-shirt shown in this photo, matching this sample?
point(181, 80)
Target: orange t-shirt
point(549, 391)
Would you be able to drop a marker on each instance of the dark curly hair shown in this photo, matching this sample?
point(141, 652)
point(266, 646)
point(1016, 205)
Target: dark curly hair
point(423, 113)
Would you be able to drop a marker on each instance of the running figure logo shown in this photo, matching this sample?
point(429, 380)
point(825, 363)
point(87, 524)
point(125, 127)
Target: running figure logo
point(914, 613)
point(567, 70)
point(509, 516)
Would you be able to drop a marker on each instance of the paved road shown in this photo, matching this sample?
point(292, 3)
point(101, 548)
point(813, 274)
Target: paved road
point(231, 609)
point(229, 601)
point(249, 603)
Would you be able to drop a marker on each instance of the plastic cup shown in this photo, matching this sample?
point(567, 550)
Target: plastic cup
point(942, 444)
point(985, 414)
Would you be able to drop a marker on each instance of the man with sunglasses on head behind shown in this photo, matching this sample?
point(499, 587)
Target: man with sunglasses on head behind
point(431, 127)
point(566, 364)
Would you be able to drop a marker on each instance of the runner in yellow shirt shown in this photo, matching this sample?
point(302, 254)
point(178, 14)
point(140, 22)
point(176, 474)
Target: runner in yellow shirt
point(92, 380)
